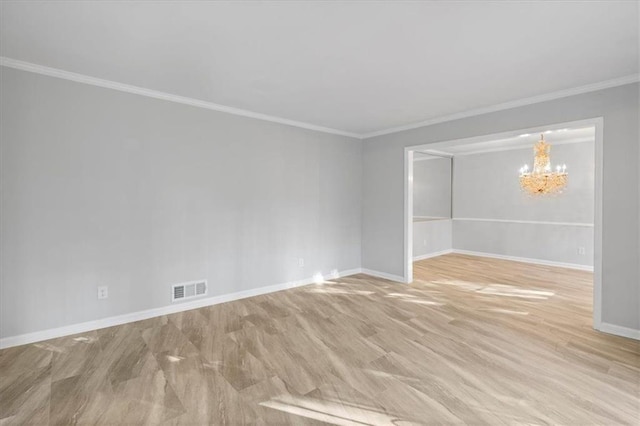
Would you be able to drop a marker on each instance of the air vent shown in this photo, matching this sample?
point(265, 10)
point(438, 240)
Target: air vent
point(188, 290)
point(178, 292)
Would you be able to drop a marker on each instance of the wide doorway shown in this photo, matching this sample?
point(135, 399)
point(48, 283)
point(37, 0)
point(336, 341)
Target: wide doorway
point(507, 196)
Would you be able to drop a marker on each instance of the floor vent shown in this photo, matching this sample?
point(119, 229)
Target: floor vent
point(188, 290)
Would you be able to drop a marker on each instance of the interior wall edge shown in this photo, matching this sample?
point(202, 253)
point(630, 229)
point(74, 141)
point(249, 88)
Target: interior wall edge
point(430, 255)
point(542, 262)
point(618, 330)
point(52, 333)
point(156, 94)
point(86, 79)
point(608, 84)
point(384, 275)
point(528, 222)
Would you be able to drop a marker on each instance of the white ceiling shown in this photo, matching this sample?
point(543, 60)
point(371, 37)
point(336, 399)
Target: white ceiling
point(359, 67)
point(523, 141)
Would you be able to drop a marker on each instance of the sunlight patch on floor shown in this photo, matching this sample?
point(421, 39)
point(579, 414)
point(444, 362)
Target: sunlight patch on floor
point(423, 302)
point(498, 289)
point(506, 311)
point(512, 291)
point(411, 298)
point(174, 358)
point(330, 290)
point(331, 412)
point(399, 295)
point(465, 285)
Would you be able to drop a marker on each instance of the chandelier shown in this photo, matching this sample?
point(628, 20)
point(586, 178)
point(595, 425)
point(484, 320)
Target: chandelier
point(542, 180)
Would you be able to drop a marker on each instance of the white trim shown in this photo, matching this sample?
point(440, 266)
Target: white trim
point(435, 154)
point(85, 79)
point(526, 260)
point(431, 156)
point(429, 218)
point(439, 147)
point(430, 255)
point(342, 274)
point(598, 222)
point(513, 148)
point(528, 222)
point(408, 216)
point(629, 79)
point(84, 327)
point(618, 330)
point(383, 275)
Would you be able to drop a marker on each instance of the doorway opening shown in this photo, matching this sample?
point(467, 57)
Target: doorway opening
point(491, 216)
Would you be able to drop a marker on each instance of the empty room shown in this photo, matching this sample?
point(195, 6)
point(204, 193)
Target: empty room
point(319, 212)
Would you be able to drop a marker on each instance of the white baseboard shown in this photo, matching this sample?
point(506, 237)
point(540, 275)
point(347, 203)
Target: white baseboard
point(430, 255)
point(383, 275)
point(84, 327)
point(618, 330)
point(526, 260)
point(344, 273)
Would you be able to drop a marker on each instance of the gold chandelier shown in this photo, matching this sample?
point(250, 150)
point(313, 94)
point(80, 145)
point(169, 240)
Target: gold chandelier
point(542, 180)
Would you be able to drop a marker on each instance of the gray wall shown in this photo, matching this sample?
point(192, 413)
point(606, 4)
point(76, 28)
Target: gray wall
point(431, 236)
point(101, 187)
point(383, 187)
point(486, 187)
point(107, 188)
point(527, 240)
point(432, 187)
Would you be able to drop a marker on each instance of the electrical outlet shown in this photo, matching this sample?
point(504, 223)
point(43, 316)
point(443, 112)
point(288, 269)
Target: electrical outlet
point(582, 251)
point(301, 262)
point(103, 292)
point(424, 243)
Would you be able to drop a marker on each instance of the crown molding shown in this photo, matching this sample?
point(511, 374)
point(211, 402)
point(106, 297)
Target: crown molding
point(633, 78)
point(85, 79)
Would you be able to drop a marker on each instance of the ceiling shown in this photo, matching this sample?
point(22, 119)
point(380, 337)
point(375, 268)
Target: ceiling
point(523, 141)
point(358, 67)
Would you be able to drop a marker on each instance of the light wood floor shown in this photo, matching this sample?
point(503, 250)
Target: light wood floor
point(472, 340)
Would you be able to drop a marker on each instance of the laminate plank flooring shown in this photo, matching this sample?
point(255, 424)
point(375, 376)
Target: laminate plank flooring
point(472, 340)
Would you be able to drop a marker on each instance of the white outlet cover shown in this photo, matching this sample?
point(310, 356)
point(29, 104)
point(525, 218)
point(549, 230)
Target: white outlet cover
point(103, 292)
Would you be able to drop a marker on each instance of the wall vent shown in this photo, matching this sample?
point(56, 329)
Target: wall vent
point(188, 290)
